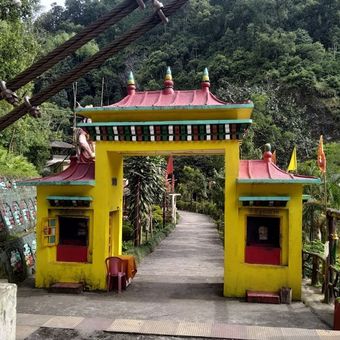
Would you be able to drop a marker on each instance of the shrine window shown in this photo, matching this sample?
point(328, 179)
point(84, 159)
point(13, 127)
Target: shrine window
point(263, 240)
point(73, 239)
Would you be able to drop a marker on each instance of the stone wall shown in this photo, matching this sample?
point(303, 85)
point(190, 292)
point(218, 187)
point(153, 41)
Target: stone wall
point(8, 305)
point(17, 230)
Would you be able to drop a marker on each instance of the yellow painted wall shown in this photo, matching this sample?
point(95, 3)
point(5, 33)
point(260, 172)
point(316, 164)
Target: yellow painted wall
point(48, 270)
point(107, 197)
point(173, 114)
point(105, 212)
point(240, 276)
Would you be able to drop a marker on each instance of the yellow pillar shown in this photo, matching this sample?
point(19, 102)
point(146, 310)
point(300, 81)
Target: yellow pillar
point(116, 202)
point(295, 242)
point(230, 213)
point(107, 207)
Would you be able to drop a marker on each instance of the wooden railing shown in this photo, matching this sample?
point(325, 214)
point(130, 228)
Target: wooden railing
point(322, 269)
point(313, 267)
point(333, 284)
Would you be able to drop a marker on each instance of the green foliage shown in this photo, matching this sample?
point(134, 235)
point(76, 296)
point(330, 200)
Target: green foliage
point(157, 216)
point(31, 137)
point(149, 246)
point(127, 231)
point(282, 55)
point(13, 10)
point(146, 188)
point(315, 246)
point(14, 166)
point(193, 184)
point(310, 168)
point(18, 47)
point(202, 186)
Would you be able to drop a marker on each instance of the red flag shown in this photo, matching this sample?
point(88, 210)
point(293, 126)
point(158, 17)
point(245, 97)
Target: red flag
point(321, 156)
point(170, 165)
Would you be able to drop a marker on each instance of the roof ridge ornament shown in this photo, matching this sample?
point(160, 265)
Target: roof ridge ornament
point(168, 82)
point(205, 83)
point(267, 155)
point(131, 84)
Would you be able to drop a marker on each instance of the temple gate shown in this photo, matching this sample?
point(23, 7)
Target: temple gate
point(80, 209)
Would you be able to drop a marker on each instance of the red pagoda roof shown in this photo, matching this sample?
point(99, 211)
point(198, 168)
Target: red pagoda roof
point(78, 173)
point(168, 96)
point(201, 97)
point(264, 171)
point(169, 104)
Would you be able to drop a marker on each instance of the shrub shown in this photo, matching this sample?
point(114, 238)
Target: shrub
point(127, 231)
point(149, 246)
point(157, 216)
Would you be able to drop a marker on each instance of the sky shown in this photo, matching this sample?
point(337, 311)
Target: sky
point(47, 3)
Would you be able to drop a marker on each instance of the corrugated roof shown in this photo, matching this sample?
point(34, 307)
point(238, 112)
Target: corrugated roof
point(78, 173)
point(62, 145)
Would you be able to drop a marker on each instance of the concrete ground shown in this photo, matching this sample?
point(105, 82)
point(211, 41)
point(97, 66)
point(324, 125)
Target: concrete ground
point(177, 287)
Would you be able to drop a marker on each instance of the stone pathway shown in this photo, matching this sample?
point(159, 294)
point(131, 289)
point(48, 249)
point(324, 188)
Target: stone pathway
point(176, 292)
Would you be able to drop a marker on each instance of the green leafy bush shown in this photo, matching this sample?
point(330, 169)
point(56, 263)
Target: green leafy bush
point(15, 166)
point(149, 246)
point(127, 231)
point(316, 246)
point(157, 216)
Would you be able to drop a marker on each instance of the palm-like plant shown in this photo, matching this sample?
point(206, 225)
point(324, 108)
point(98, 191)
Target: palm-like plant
point(146, 187)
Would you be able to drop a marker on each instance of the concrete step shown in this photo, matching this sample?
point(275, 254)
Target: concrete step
point(262, 297)
point(67, 288)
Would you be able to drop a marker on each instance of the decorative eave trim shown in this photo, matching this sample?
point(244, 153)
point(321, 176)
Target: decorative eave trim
point(150, 131)
point(169, 122)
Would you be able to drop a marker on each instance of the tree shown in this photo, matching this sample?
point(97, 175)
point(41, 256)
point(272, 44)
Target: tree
point(193, 185)
point(146, 187)
point(14, 166)
point(31, 137)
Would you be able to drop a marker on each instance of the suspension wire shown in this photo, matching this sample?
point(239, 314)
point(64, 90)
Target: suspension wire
point(91, 63)
point(74, 43)
point(75, 90)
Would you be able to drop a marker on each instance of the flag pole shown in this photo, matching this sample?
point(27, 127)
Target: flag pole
point(325, 192)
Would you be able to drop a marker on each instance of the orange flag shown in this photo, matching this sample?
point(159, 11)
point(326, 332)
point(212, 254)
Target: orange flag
point(321, 156)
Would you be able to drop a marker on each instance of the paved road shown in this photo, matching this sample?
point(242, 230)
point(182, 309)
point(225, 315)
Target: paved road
point(180, 281)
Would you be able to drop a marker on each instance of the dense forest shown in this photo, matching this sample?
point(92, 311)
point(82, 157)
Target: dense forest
point(284, 55)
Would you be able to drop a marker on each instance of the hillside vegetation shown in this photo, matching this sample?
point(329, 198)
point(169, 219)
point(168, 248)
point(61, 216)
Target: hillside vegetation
point(284, 55)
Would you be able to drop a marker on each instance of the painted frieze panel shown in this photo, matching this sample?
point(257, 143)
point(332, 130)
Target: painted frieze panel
point(17, 214)
point(7, 216)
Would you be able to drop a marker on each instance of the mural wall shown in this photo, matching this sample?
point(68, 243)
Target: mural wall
point(17, 230)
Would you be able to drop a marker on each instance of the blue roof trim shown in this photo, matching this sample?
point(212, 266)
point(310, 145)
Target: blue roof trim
point(264, 198)
point(70, 198)
point(155, 108)
point(176, 122)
